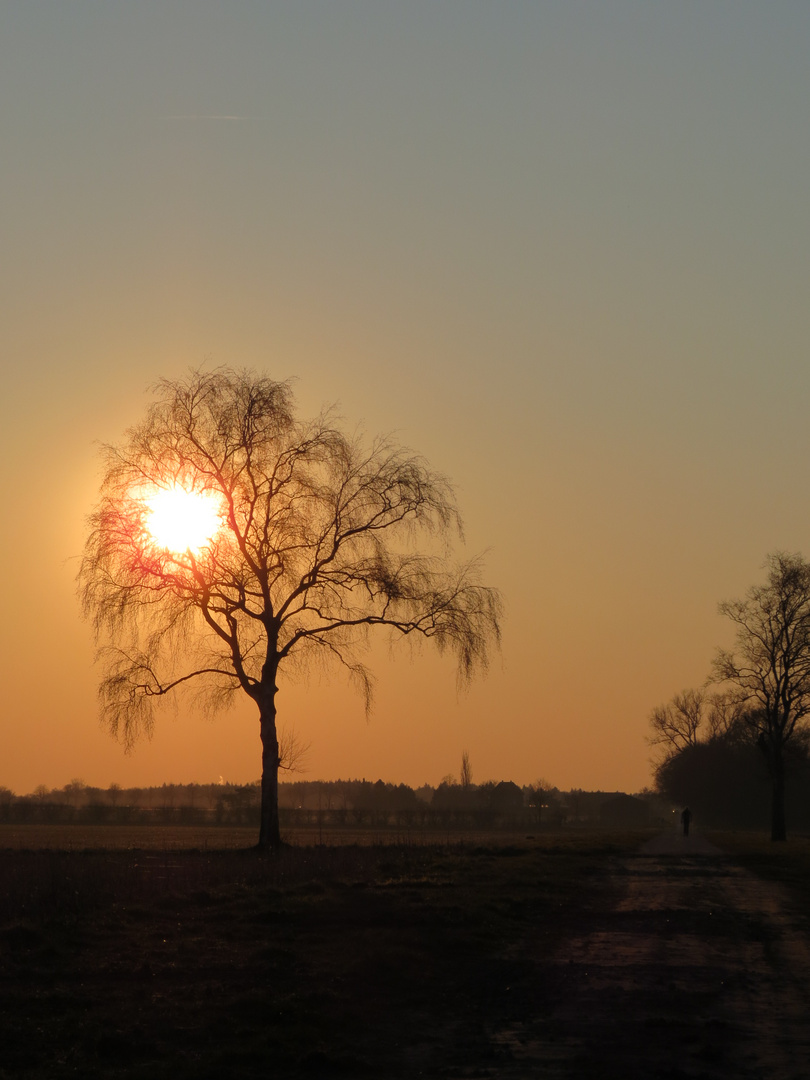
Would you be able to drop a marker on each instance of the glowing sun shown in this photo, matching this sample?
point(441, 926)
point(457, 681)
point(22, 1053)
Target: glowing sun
point(180, 520)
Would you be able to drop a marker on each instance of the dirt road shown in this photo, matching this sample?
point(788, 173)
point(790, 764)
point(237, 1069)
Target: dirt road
point(694, 968)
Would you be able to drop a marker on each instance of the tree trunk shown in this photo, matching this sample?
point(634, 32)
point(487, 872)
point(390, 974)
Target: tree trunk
point(269, 833)
point(778, 824)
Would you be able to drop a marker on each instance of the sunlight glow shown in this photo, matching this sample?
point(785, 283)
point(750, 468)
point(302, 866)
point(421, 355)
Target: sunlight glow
point(180, 520)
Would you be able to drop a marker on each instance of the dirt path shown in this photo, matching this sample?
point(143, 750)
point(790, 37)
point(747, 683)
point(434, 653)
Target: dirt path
point(696, 969)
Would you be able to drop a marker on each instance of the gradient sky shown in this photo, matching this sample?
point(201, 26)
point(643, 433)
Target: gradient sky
point(562, 249)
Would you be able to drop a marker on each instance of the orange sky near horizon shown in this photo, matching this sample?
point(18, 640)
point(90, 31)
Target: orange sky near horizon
point(560, 249)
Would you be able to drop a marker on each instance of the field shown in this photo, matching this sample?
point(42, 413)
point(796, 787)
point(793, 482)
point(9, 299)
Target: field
point(345, 960)
point(182, 953)
point(217, 838)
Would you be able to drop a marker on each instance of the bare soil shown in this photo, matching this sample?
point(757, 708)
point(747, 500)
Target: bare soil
point(568, 958)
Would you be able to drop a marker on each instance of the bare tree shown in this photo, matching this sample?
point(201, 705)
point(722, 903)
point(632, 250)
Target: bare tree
point(727, 718)
point(769, 670)
point(319, 538)
point(675, 725)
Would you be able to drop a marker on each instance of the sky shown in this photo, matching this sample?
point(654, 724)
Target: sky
point(562, 249)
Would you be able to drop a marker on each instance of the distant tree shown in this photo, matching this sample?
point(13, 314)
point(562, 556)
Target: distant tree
point(450, 795)
point(768, 672)
point(305, 540)
point(75, 791)
point(727, 719)
point(403, 797)
point(538, 796)
point(466, 775)
point(675, 725)
point(136, 797)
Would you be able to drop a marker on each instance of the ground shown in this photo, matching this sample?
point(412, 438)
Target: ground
point(568, 958)
point(693, 968)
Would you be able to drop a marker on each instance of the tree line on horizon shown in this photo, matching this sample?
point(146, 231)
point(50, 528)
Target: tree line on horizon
point(359, 803)
point(737, 749)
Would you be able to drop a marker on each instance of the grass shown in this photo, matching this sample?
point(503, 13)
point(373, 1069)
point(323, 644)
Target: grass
point(787, 863)
point(358, 960)
point(124, 837)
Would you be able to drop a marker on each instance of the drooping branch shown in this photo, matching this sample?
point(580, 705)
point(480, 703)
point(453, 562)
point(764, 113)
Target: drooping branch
point(132, 684)
point(413, 597)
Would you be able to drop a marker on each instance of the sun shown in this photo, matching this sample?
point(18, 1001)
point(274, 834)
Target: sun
point(179, 520)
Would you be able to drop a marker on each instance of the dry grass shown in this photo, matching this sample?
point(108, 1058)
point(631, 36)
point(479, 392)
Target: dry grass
point(354, 961)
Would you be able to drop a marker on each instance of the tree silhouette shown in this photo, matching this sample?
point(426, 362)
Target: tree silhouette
point(769, 671)
point(319, 538)
point(675, 725)
point(466, 773)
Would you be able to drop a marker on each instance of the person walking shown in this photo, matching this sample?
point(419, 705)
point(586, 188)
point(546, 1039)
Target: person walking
point(686, 817)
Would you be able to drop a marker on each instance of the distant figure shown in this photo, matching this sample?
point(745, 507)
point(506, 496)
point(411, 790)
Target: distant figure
point(686, 817)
